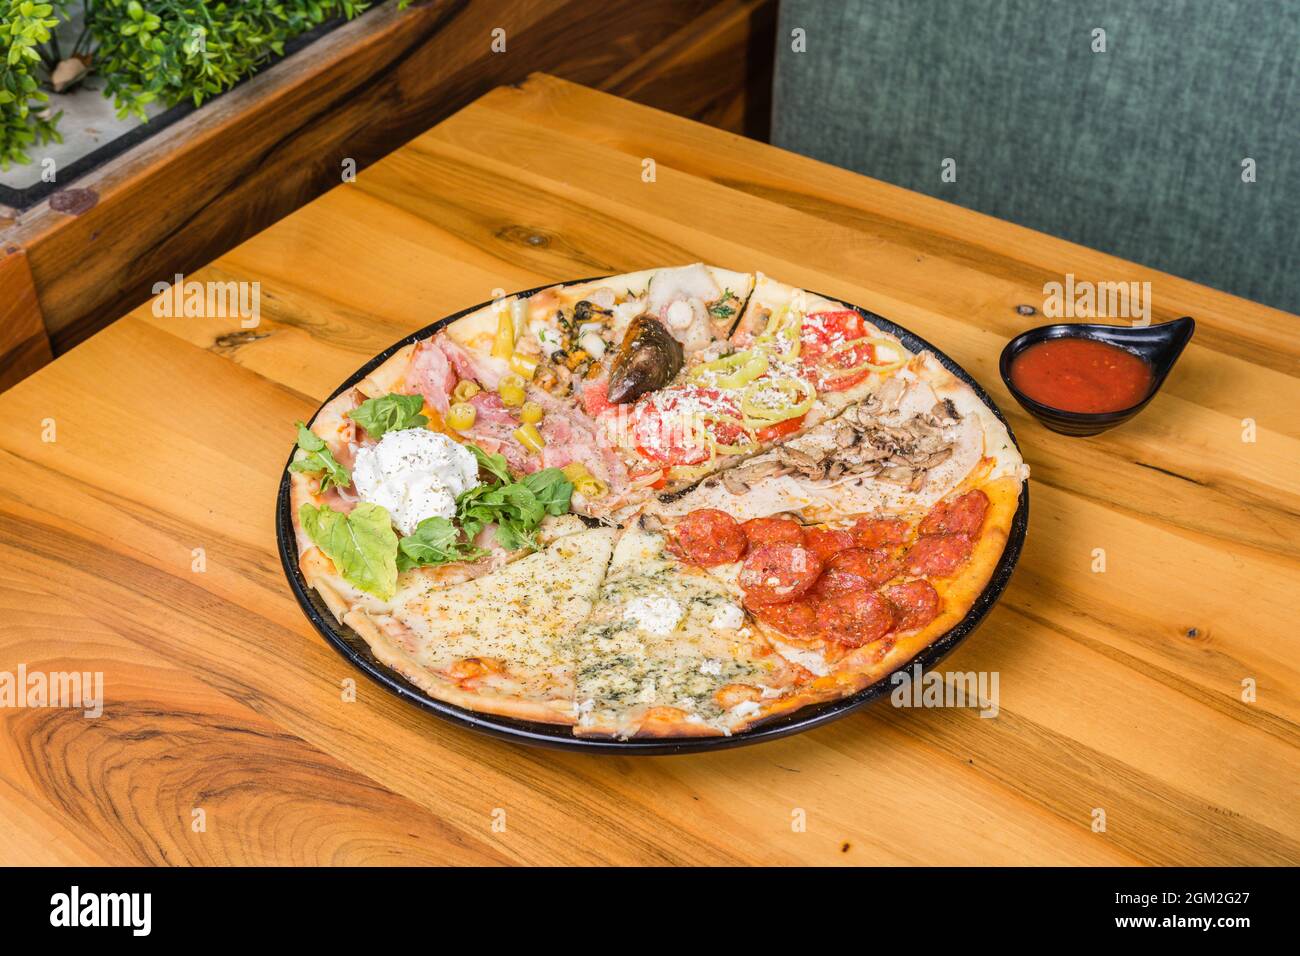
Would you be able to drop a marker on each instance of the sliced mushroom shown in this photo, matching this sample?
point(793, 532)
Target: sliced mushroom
point(793, 456)
point(651, 523)
point(897, 475)
point(734, 483)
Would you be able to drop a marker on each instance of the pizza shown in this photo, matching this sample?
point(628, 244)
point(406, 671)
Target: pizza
point(678, 502)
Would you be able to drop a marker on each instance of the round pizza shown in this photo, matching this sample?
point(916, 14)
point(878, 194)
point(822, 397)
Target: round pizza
point(678, 502)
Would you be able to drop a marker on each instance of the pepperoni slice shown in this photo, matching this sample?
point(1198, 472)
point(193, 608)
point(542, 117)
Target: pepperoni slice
point(880, 532)
point(761, 531)
point(828, 542)
point(915, 603)
point(963, 515)
point(709, 537)
point(938, 555)
point(856, 618)
point(855, 570)
point(776, 573)
point(796, 619)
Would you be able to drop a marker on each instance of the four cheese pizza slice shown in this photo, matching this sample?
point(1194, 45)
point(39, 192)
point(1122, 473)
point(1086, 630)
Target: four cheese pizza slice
point(668, 650)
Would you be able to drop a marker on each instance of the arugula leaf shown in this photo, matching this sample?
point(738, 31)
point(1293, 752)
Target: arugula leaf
point(551, 488)
point(496, 464)
point(319, 460)
point(434, 541)
point(362, 544)
point(515, 507)
point(389, 413)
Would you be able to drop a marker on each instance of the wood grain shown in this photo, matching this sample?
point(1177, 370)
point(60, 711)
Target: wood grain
point(253, 155)
point(24, 345)
point(1120, 691)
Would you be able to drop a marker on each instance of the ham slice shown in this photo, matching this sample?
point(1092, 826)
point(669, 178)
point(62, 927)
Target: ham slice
point(485, 370)
point(431, 375)
point(494, 432)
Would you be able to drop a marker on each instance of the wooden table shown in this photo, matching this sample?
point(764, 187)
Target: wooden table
point(1120, 691)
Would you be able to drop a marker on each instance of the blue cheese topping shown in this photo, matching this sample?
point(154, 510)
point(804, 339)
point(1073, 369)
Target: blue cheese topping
point(658, 615)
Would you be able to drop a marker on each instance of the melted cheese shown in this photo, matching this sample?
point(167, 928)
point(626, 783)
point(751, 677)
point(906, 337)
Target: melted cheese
point(521, 616)
point(624, 668)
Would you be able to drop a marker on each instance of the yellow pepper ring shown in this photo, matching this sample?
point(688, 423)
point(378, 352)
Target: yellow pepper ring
point(759, 413)
point(784, 324)
point(733, 371)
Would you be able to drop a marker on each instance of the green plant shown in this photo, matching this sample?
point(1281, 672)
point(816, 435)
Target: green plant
point(24, 27)
point(173, 51)
point(170, 51)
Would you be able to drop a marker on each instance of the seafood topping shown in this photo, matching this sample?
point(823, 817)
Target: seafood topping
point(648, 359)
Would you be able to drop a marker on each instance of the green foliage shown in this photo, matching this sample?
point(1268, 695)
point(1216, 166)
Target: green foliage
point(24, 26)
point(171, 51)
point(189, 50)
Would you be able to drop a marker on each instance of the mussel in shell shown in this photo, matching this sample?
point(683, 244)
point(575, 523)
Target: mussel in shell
point(649, 358)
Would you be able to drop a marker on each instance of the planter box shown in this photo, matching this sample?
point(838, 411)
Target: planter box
point(214, 177)
point(93, 134)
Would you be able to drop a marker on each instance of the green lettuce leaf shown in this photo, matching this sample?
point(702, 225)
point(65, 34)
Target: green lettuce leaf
point(319, 461)
point(389, 413)
point(362, 544)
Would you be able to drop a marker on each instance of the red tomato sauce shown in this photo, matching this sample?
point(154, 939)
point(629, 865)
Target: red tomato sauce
point(1081, 375)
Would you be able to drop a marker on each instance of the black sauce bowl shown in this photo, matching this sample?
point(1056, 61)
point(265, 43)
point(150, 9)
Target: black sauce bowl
point(1158, 345)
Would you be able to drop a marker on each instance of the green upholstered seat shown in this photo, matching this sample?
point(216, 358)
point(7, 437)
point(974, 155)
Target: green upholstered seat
point(1137, 151)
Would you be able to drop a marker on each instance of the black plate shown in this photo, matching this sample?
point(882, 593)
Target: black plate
point(353, 647)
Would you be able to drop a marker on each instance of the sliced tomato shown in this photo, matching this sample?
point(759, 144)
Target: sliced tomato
point(780, 429)
point(662, 473)
point(670, 425)
point(823, 331)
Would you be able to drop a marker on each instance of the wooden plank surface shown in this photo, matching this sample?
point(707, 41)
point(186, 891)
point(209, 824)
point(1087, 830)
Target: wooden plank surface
point(24, 346)
point(1120, 691)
